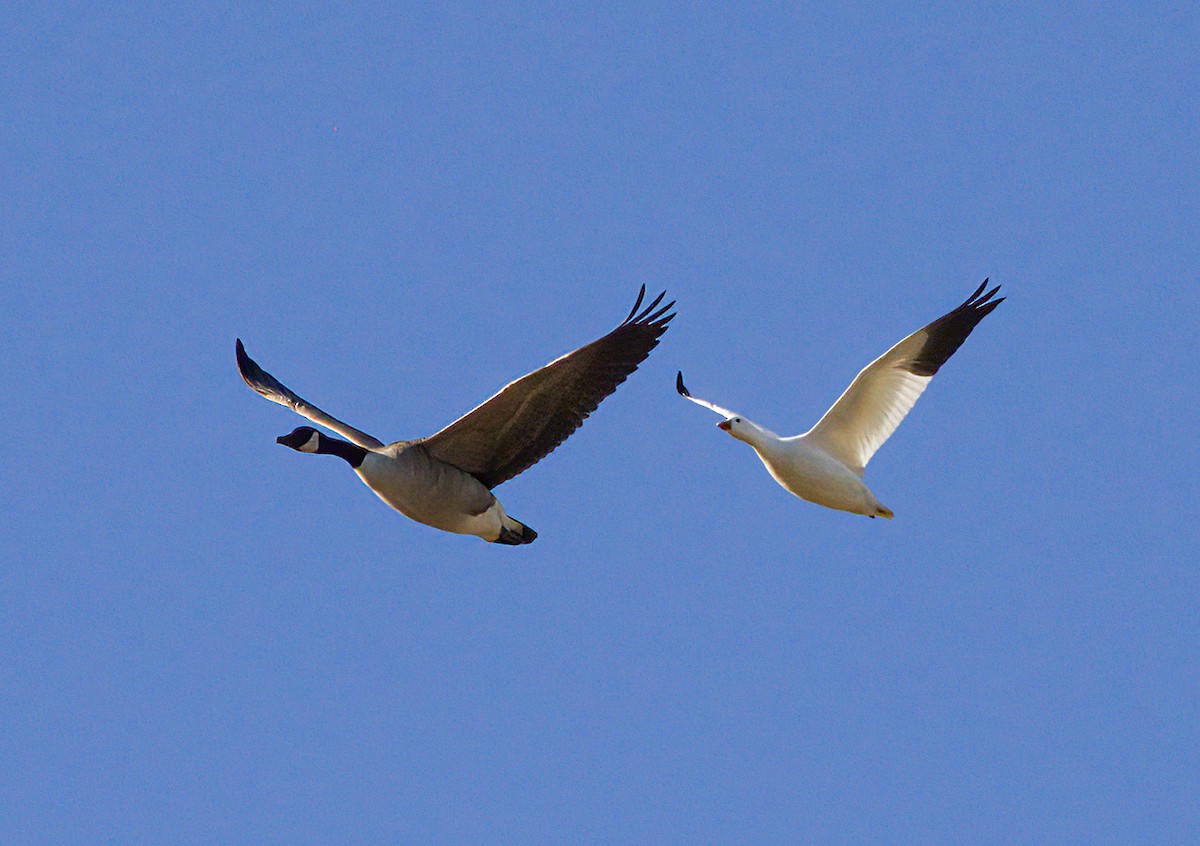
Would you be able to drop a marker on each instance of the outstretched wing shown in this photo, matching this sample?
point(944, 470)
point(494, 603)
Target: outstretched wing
point(528, 418)
point(885, 390)
point(274, 390)
point(683, 392)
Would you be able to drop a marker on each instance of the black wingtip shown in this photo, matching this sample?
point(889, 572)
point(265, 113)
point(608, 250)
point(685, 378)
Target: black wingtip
point(243, 359)
point(679, 386)
point(653, 315)
point(641, 296)
point(979, 298)
point(947, 333)
point(248, 369)
point(646, 311)
point(657, 317)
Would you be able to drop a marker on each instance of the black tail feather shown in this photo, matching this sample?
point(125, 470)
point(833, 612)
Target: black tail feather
point(515, 537)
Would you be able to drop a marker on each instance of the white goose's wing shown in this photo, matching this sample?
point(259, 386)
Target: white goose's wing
point(886, 390)
point(683, 392)
point(528, 418)
point(274, 390)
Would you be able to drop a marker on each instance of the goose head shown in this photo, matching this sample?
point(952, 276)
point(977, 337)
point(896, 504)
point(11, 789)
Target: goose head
point(735, 426)
point(301, 439)
point(746, 430)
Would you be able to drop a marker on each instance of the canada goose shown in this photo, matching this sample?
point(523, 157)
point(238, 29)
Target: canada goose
point(826, 463)
point(446, 480)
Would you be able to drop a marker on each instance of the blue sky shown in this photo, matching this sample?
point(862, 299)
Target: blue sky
point(207, 638)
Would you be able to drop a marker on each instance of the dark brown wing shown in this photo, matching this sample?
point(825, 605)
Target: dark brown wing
point(274, 390)
point(528, 418)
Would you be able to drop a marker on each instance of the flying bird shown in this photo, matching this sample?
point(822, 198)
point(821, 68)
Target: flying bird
point(825, 465)
point(446, 479)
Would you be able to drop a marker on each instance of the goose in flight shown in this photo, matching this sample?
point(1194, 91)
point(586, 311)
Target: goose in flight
point(446, 479)
point(825, 465)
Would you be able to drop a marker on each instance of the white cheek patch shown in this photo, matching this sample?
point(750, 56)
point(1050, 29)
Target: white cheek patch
point(311, 444)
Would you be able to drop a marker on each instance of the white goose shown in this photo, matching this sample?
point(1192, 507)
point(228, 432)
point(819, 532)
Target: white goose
point(446, 480)
point(825, 465)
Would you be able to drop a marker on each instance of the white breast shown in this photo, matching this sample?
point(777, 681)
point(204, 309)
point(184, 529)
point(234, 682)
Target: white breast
point(812, 474)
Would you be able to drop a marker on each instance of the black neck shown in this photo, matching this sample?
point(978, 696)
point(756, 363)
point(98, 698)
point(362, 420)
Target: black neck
point(353, 453)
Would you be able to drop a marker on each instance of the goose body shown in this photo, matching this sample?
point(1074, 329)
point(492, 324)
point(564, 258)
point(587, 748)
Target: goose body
point(825, 465)
point(813, 474)
point(419, 486)
point(446, 480)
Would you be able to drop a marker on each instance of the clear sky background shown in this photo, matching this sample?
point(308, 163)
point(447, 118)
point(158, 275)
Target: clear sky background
point(208, 638)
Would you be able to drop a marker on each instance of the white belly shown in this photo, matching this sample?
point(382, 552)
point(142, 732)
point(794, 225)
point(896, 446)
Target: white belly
point(814, 476)
point(435, 494)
